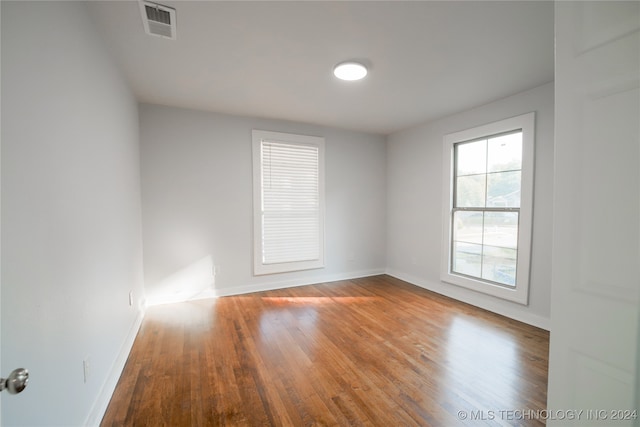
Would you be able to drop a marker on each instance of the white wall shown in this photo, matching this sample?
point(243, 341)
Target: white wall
point(197, 204)
point(71, 237)
point(414, 185)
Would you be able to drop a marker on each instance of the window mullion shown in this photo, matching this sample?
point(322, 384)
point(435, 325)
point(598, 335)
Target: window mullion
point(488, 209)
point(486, 196)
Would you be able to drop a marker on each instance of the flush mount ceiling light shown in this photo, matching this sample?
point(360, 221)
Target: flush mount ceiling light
point(350, 71)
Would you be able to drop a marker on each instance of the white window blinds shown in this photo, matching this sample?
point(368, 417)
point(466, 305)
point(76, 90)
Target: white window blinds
point(289, 202)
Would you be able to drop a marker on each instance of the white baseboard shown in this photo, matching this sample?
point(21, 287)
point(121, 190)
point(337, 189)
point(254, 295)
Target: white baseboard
point(260, 287)
point(104, 397)
point(270, 286)
point(499, 307)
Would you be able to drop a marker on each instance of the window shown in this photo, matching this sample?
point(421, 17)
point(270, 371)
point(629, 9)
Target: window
point(288, 191)
point(488, 208)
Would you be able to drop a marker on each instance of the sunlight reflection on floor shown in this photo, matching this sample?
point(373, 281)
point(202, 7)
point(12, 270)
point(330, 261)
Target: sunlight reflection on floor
point(319, 300)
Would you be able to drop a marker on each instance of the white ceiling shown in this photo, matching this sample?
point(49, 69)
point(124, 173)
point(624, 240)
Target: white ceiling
point(275, 59)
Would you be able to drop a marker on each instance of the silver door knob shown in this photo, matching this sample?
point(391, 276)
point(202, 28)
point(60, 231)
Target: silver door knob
point(16, 382)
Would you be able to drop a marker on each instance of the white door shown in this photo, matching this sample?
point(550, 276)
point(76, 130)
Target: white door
point(595, 323)
point(4, 374)
point(0, 234)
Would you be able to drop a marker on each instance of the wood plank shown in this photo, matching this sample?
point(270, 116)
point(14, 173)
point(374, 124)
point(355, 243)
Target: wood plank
point(371, 351)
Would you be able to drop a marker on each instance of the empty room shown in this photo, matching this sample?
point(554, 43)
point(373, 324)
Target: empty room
point(287, 213)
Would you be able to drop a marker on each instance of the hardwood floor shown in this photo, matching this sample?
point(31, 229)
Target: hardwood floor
point(371, 351)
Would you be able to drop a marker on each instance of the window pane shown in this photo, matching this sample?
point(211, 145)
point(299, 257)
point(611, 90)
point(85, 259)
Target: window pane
point(471, 158)
point(467, 259)
point(492, 194)
point(467, 227)
point(501, 229)
point(499, 265)
point(505, 153)
point(503, 189)
point(470, 191)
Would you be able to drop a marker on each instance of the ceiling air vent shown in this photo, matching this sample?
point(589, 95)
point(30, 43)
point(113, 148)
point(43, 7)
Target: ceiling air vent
point(158, 20)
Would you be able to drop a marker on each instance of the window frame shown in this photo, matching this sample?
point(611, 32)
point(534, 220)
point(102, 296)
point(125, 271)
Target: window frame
point(258, 136)
point(520, 292)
